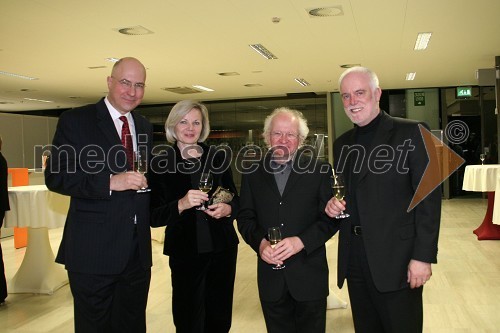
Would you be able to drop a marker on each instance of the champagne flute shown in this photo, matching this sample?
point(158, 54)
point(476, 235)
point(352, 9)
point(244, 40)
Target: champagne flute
point(339, 192)
point(482, 157)
point(274, 235)
point(141, 165)
point(205, 185)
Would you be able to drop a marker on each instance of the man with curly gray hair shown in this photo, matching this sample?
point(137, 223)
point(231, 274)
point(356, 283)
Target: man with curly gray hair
point(289, 190)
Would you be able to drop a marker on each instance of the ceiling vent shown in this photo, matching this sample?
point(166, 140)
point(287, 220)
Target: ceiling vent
point(326, 11)
point(182, 90)
point(137, 30)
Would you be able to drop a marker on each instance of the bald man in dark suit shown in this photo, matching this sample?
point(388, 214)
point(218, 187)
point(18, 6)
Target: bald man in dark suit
point(106, 245)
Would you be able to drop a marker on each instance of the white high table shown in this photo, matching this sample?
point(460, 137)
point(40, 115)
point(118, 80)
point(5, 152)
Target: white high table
point(38, 209)
point(486, 178)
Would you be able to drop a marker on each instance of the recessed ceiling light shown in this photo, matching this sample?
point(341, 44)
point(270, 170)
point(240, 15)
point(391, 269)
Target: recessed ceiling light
point(326, 11)
point(38, 100)
point(19, 76)
point(202, 88)
point(349, 65)
point(228, 74)
point(410, 76)
point(182, 90)
point(302, 82)
point(422, 41)
point(260, 49)
point(136, 30)
point(112, 59)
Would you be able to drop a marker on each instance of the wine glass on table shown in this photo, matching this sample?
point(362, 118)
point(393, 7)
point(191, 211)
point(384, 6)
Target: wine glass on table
point(141, 165)
point(274, 235)
point(339, 192)
point(205, 185)
point(482, 157)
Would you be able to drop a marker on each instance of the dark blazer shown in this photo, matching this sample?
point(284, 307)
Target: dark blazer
point(170, 180)
point(391, 235)
point(4, 194)
point(99, 227)
point(301, 212)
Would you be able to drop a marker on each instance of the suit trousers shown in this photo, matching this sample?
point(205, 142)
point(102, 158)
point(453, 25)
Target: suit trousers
point(380, 312)
point(290, 316)
point(202, 291)
point(112, 303)
point(3, 281)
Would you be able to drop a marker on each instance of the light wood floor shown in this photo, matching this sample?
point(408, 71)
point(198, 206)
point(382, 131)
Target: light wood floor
point(462, 296)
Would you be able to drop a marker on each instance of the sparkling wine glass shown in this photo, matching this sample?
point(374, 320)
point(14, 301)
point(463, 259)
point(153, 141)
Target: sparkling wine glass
point(339, 192)
point(205, 185)
point(141, 165)
point(274, 235)
point(482, 157)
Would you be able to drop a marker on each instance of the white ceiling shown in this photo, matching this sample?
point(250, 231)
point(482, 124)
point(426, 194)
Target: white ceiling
point(58, 41)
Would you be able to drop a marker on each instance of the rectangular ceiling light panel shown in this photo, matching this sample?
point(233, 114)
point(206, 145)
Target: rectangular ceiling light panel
point(422, 41)
point(260, 49)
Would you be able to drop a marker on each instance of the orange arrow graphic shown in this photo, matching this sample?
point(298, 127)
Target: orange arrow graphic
point(437, 171)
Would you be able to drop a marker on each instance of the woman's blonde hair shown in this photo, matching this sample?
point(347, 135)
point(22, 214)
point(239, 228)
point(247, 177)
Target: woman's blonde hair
point(179, 111)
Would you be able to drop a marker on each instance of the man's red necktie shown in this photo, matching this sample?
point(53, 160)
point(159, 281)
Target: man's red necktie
point(127, 142)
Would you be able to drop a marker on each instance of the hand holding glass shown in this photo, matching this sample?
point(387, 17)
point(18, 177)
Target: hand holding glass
point(339, 192)
point(205, 185)
point(141, 166)
point(274, 235)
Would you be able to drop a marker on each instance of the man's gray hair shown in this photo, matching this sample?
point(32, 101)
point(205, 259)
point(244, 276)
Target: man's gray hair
point(303, 129)
point(374, 82)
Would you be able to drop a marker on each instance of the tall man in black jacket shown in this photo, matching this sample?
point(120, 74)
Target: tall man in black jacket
point(385, 251)
point(106, 245)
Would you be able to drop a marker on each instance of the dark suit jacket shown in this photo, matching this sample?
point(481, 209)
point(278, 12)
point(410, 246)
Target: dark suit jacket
point(301, 211)
point(4, 194)
point(170, 180)
point(99, 227)
point(391, 235)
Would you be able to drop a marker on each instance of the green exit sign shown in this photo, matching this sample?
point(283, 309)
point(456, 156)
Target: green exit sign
point(464, 92)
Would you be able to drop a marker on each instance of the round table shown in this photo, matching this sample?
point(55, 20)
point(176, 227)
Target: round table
point(485, 178)
point(38, 209)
